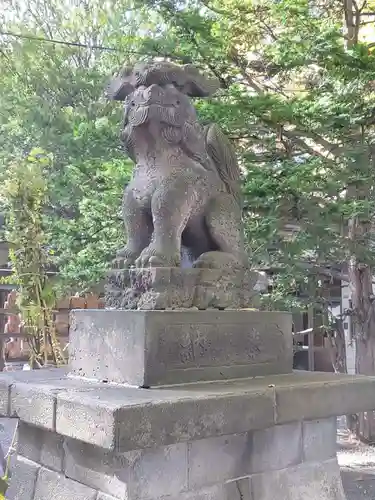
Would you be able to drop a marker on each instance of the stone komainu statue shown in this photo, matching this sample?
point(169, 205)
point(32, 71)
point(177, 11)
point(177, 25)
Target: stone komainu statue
point(184, 197)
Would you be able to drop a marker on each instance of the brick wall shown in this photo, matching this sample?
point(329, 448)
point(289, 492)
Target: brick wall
point(15, 348)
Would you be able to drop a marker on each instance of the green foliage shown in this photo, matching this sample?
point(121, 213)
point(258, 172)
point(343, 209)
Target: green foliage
point(298, 100)
point(85, 244)
point(51, 97)
point(25, 193)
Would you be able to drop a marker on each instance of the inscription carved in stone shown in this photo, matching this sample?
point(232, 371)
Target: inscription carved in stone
point(215, 345)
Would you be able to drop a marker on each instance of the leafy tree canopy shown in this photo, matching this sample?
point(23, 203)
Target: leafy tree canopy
point(297, 99)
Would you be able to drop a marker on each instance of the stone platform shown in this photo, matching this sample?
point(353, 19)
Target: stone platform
point(91, 433)
point(151, 348)
point(252, 439)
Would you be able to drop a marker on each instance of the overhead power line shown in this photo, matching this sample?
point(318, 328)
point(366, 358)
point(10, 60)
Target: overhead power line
point(93, 47)
point(58, 42)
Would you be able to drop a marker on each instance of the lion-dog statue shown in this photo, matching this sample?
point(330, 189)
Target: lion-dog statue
point(184, 200)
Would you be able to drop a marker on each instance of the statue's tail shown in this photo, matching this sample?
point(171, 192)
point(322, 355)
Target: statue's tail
point(222, 153)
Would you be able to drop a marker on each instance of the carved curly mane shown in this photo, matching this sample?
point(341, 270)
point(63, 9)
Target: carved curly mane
point(222, 153)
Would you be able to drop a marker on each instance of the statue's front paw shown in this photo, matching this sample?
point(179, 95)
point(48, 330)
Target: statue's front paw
point(154, 257)
point(125, 258)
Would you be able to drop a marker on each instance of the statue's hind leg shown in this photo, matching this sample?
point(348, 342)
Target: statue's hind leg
point(224, 221)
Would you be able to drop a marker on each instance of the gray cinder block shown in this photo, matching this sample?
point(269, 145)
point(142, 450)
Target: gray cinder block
point(309, 481)
point(219, 459)
point(277, 447)
point(319, 439)
point(52, 485)
point(22, 484)
point(41, 446)
point(136, 474)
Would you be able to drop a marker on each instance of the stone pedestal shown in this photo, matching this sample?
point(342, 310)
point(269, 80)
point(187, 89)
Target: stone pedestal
point(152, 348)
point(225, 417)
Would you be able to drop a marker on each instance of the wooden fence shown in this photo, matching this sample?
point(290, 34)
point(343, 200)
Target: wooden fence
point(14, 348)
point(319, 349)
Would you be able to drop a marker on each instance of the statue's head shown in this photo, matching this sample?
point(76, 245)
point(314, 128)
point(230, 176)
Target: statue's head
point(187, 79)
point(156, 98)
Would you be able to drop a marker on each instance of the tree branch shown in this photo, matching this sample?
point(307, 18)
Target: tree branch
point(242, 66)
point(190, 32)
point(221, 12)
point(325, 271)
point(302, 144)
point(331, 148)
point(294, 134)
point(269, 30)
point(363, 6)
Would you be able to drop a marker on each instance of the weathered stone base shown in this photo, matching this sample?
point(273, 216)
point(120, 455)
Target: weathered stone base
point(295, 461)
point(152, 348)
point(181, 288)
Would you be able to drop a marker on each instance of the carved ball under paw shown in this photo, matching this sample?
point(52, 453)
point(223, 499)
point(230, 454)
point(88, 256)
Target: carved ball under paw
point(151, 257)
point(164, 261)
point(219, 260)
point(125, 258)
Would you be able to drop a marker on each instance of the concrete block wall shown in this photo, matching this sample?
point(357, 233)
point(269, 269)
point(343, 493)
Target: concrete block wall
point(287, 462)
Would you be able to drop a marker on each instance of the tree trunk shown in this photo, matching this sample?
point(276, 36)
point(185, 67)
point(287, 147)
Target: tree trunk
point(338, 347)
point(351, 22)
point(365, 365)
point(361, 277)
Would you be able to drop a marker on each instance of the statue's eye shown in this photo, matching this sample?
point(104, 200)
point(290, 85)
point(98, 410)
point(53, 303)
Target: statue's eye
point(178, 102)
